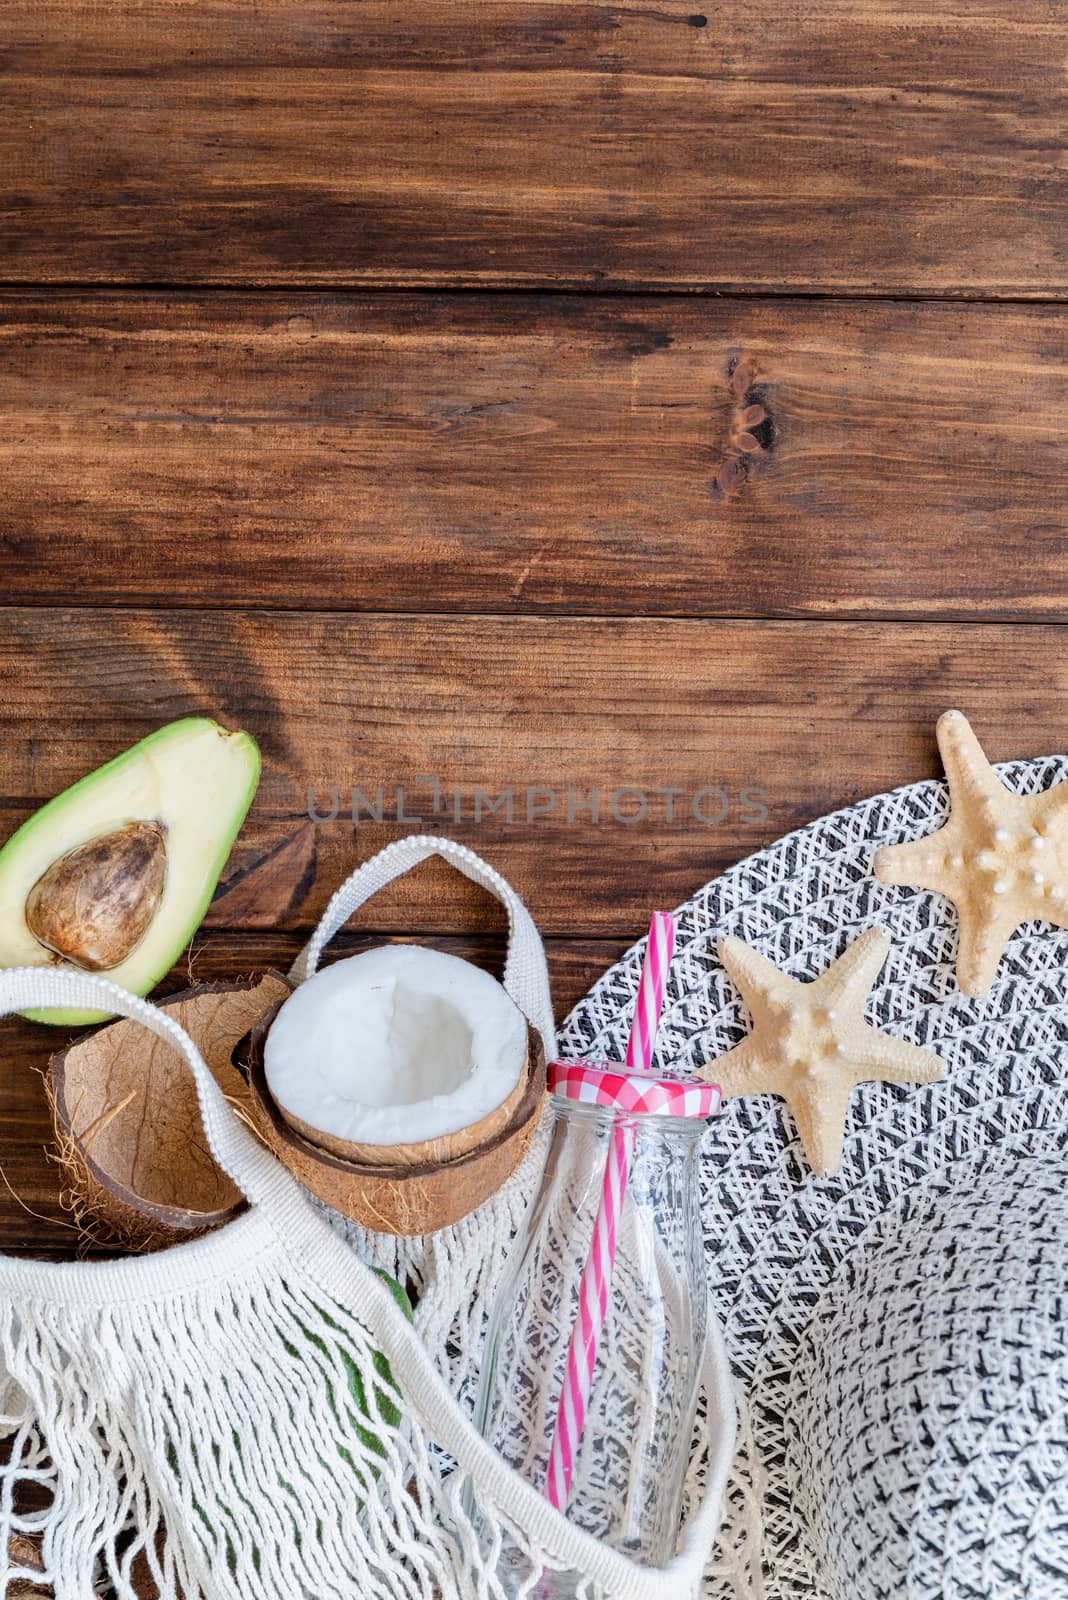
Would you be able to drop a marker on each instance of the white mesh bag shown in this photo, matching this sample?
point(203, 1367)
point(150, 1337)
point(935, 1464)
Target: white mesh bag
point(220, 1418)
point(899, 1332)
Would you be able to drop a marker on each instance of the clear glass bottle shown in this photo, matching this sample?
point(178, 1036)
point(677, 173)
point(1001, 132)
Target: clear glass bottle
point(629, 1457)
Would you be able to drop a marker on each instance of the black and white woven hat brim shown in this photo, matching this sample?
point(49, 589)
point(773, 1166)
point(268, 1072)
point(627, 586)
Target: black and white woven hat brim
point(899, 1332)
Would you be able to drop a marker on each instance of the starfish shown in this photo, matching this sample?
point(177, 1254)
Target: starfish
point(810, 1043)
point(1001, 858)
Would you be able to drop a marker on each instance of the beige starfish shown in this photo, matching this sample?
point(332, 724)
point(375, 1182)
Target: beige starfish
point(1001, 858)
point(810, 1043)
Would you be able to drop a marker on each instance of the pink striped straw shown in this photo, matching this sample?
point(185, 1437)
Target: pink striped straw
point(597, 1273)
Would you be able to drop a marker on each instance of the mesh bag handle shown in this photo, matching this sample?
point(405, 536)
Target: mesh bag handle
point(526, 977)
point(308, 1243)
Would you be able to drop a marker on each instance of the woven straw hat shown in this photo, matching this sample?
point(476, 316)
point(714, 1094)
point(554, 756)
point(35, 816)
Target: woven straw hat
point(899, 1332)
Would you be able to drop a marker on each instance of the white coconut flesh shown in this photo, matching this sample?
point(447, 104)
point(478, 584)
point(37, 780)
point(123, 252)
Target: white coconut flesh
point(395, 1047)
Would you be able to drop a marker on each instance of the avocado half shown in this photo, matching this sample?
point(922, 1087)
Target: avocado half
point(115, 874)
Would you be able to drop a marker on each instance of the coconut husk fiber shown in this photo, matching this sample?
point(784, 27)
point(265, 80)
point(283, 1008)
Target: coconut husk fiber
point(406, 1197)
point(131, 1144)
point(24, 1550)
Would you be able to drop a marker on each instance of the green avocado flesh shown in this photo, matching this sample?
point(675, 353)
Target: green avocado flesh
point(115, 874)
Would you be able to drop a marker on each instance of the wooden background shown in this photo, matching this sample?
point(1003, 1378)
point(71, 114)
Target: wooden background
point(526, 393)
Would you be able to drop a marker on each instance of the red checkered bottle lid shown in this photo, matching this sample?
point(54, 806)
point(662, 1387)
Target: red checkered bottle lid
point(610, 1083)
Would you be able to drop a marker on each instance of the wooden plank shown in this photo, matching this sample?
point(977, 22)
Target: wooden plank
point(866, 146)
point(500, 453)
point(574, 964)
point(31, 1216)
point(809, 715)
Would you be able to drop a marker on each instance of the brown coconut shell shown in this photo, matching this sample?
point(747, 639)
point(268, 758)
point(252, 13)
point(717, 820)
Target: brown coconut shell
point(394, 1194)
point(24, 1550)
point(424, 1152)
point(128, 1124)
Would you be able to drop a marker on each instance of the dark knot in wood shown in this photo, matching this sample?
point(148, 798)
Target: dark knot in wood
point(751, 429)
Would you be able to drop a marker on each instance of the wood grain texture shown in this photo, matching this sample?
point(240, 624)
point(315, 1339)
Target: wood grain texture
point(28, 1175)
point(779, 144)
point(812, 715)
point(510, 453)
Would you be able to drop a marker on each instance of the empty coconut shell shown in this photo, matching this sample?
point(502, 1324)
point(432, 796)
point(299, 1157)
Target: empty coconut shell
point(413, 1193)
point(125, 1108)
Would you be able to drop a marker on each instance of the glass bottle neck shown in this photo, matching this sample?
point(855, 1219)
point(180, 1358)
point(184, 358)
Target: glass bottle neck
point(645, 1126)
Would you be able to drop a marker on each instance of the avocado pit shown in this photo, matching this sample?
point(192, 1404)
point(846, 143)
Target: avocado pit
point(95, 904)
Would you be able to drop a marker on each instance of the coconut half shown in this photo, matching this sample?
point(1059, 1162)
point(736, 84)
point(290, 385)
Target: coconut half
point(127, 1119)
point(398, 1055)
point(401, 1086)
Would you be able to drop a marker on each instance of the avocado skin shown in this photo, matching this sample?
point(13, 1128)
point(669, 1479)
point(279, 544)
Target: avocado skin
point(399, 1294)
point(385, 1406)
